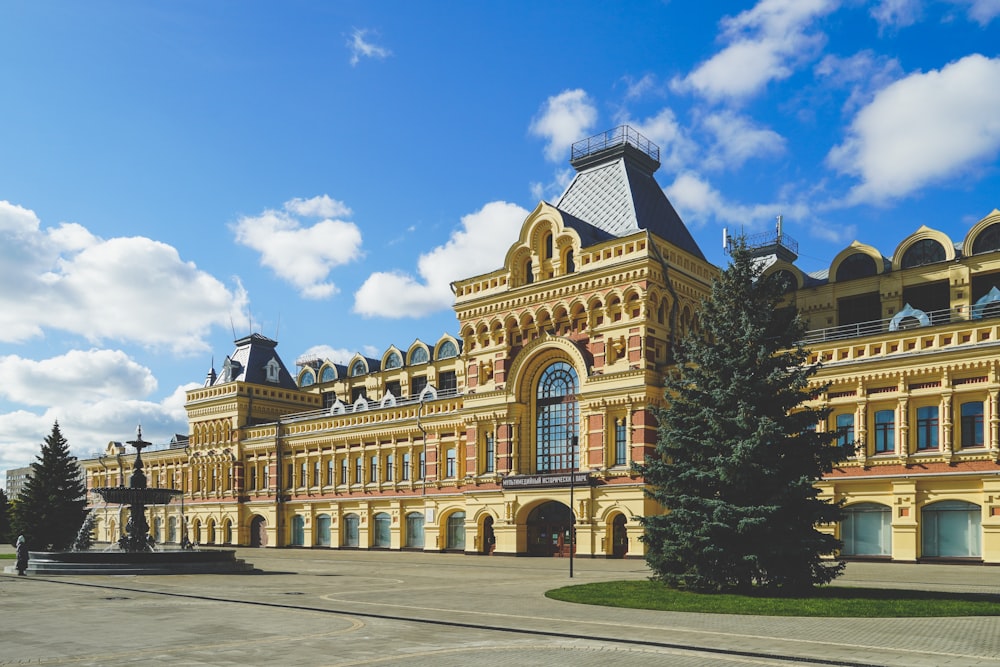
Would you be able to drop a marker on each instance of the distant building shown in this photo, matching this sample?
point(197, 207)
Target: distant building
point(517, 435)
point(16, 479)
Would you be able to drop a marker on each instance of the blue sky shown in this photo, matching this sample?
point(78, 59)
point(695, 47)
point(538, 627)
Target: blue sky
point(319, 172)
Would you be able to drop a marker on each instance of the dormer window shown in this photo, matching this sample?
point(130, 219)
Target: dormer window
point(358, 368)
point(547, 245)
point(272, 370)
point(231, 370)
point(529, 274)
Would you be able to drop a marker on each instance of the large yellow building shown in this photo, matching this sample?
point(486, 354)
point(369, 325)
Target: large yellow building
point(517, 436)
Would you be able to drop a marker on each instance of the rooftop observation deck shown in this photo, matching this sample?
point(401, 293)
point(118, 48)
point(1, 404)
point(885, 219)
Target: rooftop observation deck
point(615, 140)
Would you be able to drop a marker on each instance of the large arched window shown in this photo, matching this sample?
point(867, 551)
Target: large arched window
point(867, 530)
point(358, 368)
point(925, 251)
point(988, 240)
point(393, 361)
point(447, 350)
point(951, 529)
point(558, 419)
point(858, 265)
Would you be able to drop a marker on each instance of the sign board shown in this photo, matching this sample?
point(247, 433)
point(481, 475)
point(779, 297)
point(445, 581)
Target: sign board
point(553, 479)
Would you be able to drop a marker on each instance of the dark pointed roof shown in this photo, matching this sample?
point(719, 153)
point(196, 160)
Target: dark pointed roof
point(614, 189)
point(256, 361)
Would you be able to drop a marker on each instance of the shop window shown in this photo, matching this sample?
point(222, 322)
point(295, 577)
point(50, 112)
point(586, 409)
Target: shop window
point(951, 529)
point(867, 530)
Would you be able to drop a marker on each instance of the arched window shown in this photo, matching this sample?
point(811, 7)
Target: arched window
point(393, 361)
point(307, 378)
point(298, 531)
point(988, 240)
point(415, 530)
point(557, 421)
point(447, 350)
point(547, 245)
point(951, 529)
point(456, 532)
point(529, 274)
point(925, 251)
point(570, 264)
point(867, 530)
point(382, 523)
point(858, 265)
point(328, 374)
point(350, 530)
point(322, 537)
point(419, 355)
point(358, 368)
point(785, 279)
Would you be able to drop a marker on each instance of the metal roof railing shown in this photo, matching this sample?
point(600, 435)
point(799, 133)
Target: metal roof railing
point(619, 136)
point(859, 329)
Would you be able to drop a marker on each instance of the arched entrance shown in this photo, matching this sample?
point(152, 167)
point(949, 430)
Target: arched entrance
point(489, 539)
point(619, 537)
point(548, 529)
point(258, 531)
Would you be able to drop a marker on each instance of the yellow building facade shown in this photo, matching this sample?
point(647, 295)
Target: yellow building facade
point(517, 435)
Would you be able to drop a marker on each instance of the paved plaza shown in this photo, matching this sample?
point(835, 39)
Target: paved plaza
point(338, 608)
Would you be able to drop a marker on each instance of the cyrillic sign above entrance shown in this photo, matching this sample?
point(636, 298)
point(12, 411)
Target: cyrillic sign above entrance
point(554, 479)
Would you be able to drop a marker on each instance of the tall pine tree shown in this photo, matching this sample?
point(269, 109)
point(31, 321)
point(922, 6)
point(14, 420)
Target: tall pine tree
point(52, 507)
point(738, 453)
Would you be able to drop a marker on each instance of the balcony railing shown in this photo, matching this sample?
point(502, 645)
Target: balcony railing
point(373, 406)
point(925, 319)
point(621, 135)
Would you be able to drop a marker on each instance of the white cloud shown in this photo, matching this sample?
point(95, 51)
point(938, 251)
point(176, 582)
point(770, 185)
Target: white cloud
point(765, 43)
point(303, 256)
point(123, 289)
point(925, 128)
point(470, 251)
point(325, 352)
point(863, 74)
point(981, 11)
point(562, 120)
point(677, 150)
point(698, 204)
point(75, 377)
point(360, 47)
point(737, 139)
point(96, 395)
point(896, 13)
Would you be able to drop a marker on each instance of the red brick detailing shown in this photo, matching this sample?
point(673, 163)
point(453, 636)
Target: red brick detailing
point(595, 440)
point(913, 469)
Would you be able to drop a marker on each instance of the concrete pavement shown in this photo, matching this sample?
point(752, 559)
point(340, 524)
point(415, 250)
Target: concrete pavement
point(319, 607)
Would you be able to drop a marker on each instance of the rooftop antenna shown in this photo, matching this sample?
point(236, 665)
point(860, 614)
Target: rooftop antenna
point(231, 326)
point(277, 327)
point(725, 239)
point(779, 225)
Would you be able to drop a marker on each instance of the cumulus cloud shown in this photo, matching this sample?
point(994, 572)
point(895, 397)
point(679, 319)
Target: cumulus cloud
point(303, 255)
point(325, 352)
point(124, 289)
point(738, 139)
point(473, 249)
point(95, 395)
point(699, 203)
point(863, 74)
point(924, 128)
point(562, 120)
point(677, 150)
point(360, 47)
point(764, 43)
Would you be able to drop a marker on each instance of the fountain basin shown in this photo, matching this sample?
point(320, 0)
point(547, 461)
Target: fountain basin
point(174, 561)
point(127, 495)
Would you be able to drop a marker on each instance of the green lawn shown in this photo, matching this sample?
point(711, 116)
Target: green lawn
point(8, 556)
point(826, 601)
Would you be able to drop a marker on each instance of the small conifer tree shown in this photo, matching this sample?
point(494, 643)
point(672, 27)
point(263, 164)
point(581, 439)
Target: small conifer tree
point(52, 507)
point(738, 452)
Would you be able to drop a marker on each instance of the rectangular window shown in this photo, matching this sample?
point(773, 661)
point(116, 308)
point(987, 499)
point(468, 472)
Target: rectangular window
point(343, 470)
point(406, 467)
point(329, 472)
point(303, 480)
point(621, 444)
point(450, 468)
point(845, 429)
point(373, 470)
point(357, 470)
point(885, 431)
point(972, 424)
point(266, 480)
point(253, 477)
point(447, 381)
point(927, 428)
point(357, 392)
point(389, 460)
point(422, 466)
point(489, 454)
point(417, 385)
point(315, 473)
point(394, 388)
point(290, 480)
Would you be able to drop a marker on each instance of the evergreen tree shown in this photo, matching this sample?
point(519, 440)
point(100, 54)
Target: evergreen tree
point(52, 506)
point(738, 451)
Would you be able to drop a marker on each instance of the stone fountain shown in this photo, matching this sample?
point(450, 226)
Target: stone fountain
point(136, 553)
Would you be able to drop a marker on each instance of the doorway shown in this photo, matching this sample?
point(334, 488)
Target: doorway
point(549, 527)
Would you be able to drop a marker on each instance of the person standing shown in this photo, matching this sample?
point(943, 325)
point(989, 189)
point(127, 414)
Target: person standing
point(22, 555)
